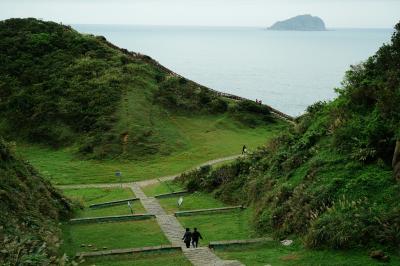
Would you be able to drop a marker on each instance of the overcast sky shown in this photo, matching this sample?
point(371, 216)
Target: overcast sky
point(335, 13)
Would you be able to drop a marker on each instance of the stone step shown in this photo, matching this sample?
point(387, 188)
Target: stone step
point(152, 206)
point(174, 231)
point(205, 257)
point(171, 228)
point(138, 191)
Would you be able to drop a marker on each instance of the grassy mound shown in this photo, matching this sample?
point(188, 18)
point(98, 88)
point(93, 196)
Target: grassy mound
point(205, 137)
point(329, 179)
point(30, 209)
point(62, 88)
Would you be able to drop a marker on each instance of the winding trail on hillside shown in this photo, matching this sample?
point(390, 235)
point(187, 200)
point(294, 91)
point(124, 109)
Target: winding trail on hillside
point(148, 181)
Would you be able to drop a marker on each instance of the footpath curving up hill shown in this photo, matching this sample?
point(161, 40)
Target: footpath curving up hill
point(66, 98)
point(333, 179)
point(65, 89)
point(30, 211)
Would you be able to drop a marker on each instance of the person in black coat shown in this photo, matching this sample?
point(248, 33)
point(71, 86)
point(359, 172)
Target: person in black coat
point(187, 237)
point(244, 149)
point(195, 238)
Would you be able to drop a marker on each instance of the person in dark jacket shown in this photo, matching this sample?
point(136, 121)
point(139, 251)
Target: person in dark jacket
point(244, 149)
point(187, 237)
point(195, 238)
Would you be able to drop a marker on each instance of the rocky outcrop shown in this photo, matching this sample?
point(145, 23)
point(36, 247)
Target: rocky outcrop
point(396, 161)
point(300, 23)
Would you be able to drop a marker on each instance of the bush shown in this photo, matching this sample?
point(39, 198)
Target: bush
point(251, 113)
point(30, 211)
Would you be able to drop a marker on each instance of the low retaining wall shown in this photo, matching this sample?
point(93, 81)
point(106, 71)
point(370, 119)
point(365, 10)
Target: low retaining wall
point(111, 203)
point(128, 251)
point(105, 219)
point(172, 194)
point(217, 244)
point(206, 211)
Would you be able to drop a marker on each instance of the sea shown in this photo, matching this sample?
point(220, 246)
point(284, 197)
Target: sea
point(288, 70)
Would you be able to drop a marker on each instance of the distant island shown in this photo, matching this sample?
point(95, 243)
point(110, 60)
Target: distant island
point(300, 23)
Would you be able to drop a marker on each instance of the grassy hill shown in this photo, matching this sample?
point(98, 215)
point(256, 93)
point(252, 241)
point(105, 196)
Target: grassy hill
point(329, 180)
point(206, 137)
point(30, 210)
point(63, 89)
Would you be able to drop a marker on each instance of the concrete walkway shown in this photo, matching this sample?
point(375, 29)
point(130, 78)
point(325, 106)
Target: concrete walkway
point(174, 231)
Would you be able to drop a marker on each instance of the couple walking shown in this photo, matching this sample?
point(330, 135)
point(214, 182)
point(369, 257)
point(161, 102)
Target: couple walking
point(192, 237)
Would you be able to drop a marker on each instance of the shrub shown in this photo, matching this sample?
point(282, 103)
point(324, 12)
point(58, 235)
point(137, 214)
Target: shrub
point(251, 113)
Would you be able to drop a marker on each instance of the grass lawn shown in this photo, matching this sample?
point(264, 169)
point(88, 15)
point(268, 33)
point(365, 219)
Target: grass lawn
point(111, 235)
point(88, 196)
point(224, 226)
point(165, 258)
point(204, 137)
point(274, 253)
point(197, 200)
point(161, 188)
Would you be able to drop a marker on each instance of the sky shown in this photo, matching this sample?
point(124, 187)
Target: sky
point(259, 13)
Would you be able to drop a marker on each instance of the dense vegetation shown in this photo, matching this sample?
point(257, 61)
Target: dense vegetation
point(329, 179)
point(30, 210)
point(62, 88)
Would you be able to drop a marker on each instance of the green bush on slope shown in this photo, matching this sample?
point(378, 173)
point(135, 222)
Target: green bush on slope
point(328, 179)
point(62, 88)
point(30, 210)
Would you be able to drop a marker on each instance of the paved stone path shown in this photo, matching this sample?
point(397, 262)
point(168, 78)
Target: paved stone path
point(204, 256)
point(168, 223)
point(174, 231)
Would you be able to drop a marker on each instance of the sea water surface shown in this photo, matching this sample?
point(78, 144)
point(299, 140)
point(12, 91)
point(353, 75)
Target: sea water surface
point(288, 70)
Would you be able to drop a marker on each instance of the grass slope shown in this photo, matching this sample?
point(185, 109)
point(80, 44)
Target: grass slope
point(221, 226)
point(275, 253)
point(88, 196)
point(328, 180)
point(161, 188)
point(165, 258)
point(205, 138)
point(113, 235)
point(197, 200)
point(30, 209)
point(78, 92)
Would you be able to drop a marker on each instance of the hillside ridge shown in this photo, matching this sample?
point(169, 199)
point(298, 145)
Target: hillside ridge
point(66, 89)
point(149, 59)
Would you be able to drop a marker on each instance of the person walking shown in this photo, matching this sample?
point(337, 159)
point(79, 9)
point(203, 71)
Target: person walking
point(195, 238)
point(244, 149)
point(187, 237)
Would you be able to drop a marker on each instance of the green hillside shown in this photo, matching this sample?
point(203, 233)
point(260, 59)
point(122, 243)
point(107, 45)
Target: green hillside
point(63, 89)
point(207, 137)
point(329, 180)
point(30, 210)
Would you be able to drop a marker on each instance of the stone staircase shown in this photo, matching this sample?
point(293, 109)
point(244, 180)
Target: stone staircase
point(171, 228)
point(203, 256)
point(174, 231)
point(138, 191)
point(152, 206)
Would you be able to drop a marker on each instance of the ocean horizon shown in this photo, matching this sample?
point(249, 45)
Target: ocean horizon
point(288, 70)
